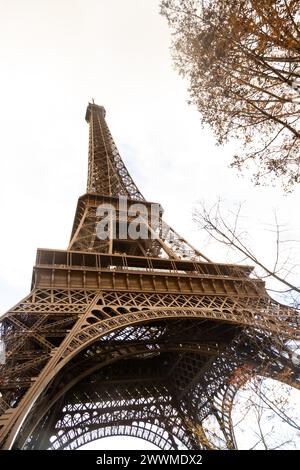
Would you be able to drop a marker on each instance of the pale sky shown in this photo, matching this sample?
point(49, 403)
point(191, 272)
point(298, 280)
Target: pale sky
point(55, 56)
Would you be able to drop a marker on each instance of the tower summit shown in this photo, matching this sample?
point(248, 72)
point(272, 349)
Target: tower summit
point(131, 330)
point(107, 174)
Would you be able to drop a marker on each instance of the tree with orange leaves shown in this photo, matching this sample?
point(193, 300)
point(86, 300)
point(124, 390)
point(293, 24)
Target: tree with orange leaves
point(242, 61)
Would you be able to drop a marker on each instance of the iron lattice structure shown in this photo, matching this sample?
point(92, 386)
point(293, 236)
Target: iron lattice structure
point(143, 338)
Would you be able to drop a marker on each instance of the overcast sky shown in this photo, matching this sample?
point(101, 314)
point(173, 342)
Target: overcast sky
point(57, 55)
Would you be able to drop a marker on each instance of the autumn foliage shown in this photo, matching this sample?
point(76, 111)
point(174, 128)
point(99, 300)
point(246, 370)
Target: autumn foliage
point(241, 59)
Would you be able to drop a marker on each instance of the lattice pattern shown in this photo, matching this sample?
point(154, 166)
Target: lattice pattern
point(95, 362)
point(108, 176)
point(107, 173)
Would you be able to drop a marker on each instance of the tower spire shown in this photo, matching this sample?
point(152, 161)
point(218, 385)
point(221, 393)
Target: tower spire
point(107, 174)
point(108, 180)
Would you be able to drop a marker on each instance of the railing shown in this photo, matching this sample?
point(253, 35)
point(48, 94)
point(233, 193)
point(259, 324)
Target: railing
point(95, 261)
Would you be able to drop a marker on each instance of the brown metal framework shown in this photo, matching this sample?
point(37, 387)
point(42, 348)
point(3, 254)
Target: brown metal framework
point(143, 338)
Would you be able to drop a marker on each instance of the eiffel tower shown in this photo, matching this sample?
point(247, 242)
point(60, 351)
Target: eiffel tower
point(134, 336)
